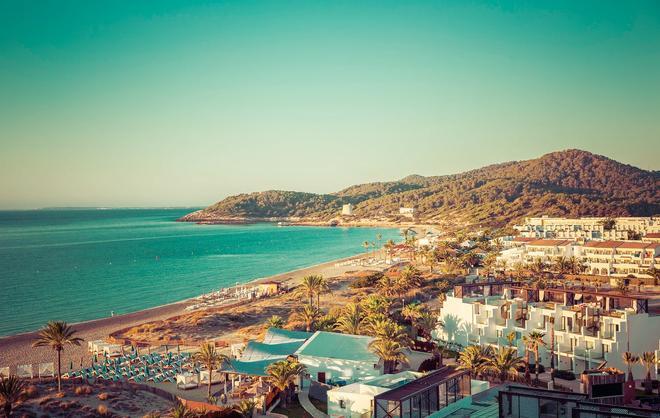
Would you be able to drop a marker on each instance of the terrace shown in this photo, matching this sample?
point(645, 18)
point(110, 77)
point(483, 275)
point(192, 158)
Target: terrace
point(424, 396)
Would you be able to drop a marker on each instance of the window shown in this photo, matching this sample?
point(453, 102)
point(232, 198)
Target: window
point(342, 404)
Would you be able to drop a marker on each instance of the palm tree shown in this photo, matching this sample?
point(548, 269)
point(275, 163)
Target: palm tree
point(412, 311)
point(387, 285)
point(473, 358)
point(389, 246)
point(387, 329)
point(282, 375)
point(57, 334)
point(10, 391)
point(426, 324)
point(538, 266)
point(379, 238)
point(181, 411)
point(629, 359)
point(390, 351)
point(212, 359)
point(649, 361)
point(552, 348)
point(321, 287)
point(511, 337)
point(532, 343)
point(351, 320)
point(246, 408)
point(310, 286)
point(504, 363)
point(375, 304)
point(308, 315)
point(274, 321)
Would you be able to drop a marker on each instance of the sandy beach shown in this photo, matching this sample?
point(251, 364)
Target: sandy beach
point(17, 349)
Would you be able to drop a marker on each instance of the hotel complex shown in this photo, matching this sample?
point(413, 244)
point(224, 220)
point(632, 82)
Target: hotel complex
point(588, 228)
point(589, 327)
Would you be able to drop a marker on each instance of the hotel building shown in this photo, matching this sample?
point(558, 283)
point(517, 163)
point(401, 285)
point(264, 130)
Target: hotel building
point(589, 327)
point(587, 228)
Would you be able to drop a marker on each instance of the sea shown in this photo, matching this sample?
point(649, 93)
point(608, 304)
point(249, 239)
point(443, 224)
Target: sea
point(83, 264)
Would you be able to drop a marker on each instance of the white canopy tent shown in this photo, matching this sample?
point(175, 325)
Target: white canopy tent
point(24, 371)
point(216, 377)
point(46, 370)
point(187, 380)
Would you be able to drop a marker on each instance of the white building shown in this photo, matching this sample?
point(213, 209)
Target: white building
point(589, 327)
point(405, 394)
point(549, 250)
point(587, 228)
point(340, 358)
point(408, 212)
point(620, 258)
point(347, 210)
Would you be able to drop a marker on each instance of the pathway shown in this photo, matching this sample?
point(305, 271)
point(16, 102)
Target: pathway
point(303, 398)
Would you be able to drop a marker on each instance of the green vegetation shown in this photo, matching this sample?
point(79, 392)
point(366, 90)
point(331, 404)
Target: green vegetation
point(566, 183)
point(57, 334)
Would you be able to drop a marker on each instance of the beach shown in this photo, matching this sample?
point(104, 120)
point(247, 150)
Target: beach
point(17, 349)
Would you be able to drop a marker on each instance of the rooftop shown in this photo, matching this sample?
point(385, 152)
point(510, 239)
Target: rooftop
point(434, 377)
point(338, 346)
point(255, 351)
point(279, 336)
point(550, 243)
point(619, 244)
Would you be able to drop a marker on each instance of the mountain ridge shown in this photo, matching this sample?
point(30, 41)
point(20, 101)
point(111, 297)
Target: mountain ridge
point(561, 183)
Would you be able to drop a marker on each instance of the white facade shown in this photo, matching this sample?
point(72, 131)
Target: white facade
point(620, 258)
point(585, 334)
point(587, 228)
point(409, 212)
point(347, 210)
point(549, 250)
point(355, 400)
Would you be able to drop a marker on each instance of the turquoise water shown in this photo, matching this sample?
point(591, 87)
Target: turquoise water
point(77, 265)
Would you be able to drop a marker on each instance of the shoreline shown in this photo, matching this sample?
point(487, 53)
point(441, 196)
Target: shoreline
point(17, 349)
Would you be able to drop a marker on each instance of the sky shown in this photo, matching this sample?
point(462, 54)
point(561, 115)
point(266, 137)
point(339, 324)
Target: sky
point(181, 103)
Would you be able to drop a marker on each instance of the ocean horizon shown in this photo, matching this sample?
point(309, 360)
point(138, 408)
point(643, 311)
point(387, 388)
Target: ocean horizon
point(81, 264)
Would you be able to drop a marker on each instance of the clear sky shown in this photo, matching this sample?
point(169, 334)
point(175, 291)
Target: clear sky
point(149, 103)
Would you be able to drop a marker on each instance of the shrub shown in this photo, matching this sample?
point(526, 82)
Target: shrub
point(367, 281)
point(102, 409)
point(429, 364)
point(31, 391)
point(83, 390)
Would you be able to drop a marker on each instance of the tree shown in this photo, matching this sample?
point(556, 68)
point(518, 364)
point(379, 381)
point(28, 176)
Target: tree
point(308, 315)
point(282, 375)
point(649, 360)
point(533, 341)
point(426, 324)
point(511, 337)
point(655, 273)
point(629, 359)
point(10, 392)
point(412, 311)
point(538, 266)
point(181, 411)
point(608, 223)
point(387, 286)
point(390, 351)
point(274, 321)
point(246, 408)
point(311, 286)
point(622, 286)
point(504, 363)
point(375, 304)
point(473, 358)
point(57, 334)
point(351, 320)
point(387, 329)
point(212, 359)
point(389, 246)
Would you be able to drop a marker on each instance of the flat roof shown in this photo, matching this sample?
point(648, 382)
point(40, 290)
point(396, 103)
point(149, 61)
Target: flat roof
point(338, 346)
point(434, 377)
point(279, 336)
point(550, 243)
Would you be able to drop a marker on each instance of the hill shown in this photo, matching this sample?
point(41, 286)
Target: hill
point(564, 183)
